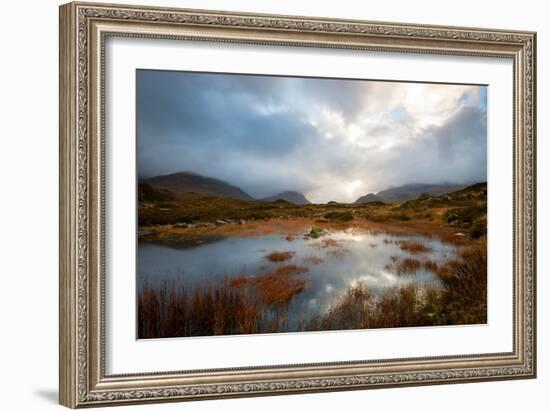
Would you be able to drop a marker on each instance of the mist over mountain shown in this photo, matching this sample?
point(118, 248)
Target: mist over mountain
point(400, 194)
point(290, 196)
point(369, 198)
point(188, 182)
point(185, 182)
point(330, 139)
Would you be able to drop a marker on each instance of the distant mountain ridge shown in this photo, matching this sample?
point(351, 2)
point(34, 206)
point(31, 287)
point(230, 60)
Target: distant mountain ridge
point(400, 194)
point(369, 198)
point(185, 182)
point(293, 197)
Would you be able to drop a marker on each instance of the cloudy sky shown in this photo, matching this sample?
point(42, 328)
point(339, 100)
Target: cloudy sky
point(329, 139)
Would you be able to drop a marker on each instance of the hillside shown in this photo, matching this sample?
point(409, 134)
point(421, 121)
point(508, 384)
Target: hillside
point(148, 193)
point(396, 195)
point(369, 198)
point(293, 197)
point(185, 182)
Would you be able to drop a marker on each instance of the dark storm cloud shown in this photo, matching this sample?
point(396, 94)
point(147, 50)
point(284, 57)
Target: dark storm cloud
point(204, 124)
point(330, 139)
point(455, 151)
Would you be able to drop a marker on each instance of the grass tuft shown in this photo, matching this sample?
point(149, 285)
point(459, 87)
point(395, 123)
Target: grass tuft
point(414, 247)
point(259, 304)
point(339, 216)
point(408, 266)
point(277, 257)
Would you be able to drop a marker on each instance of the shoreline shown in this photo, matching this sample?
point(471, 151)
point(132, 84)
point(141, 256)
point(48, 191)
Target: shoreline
point(292, 227)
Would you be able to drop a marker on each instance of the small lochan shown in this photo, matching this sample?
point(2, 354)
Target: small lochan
point(271, 204)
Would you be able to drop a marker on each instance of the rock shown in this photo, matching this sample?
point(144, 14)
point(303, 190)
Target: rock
point(460, 234)
point(452, 218)
point(181, 225)
point(221, 222)
point(207, 225)
point(242, 222)
point(143, 233)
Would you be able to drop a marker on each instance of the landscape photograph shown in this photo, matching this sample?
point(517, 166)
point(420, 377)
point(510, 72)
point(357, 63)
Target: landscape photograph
point(277, 204)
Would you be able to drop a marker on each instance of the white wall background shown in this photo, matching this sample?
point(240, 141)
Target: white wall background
point(28, 205)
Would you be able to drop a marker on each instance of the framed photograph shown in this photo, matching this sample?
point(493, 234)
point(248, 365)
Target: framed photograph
point(260, 204)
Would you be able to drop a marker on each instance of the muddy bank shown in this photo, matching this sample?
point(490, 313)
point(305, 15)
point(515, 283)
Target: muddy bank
point(197, 234)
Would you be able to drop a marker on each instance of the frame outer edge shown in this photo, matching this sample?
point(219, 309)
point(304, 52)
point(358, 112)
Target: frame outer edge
point(534, 203)
point(68, 328)
point(77, 385)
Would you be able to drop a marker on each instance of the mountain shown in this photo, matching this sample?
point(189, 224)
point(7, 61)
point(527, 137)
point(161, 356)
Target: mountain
point(400, 194)
point(290, 196)
point(477, 191)
point(473, 196)
point(185, 182)
point(148, 193)
point(411, 191)
point(369, 198)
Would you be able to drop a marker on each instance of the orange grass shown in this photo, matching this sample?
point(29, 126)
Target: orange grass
point(338, 252)
point(462, 299)
point(430, 265)
point(313, 260)
point(240, 281)
point(333, 247)
point(414, 247)
point(278, 288)
point(277, 257)
point(408, 266)
point(259, 304)
point(359, 308)
point(240, 305)
point(176, 312)
point(330, 242)
point(326, 243)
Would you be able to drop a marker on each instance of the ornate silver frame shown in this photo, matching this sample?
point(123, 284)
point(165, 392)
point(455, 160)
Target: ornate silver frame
point(83, 30)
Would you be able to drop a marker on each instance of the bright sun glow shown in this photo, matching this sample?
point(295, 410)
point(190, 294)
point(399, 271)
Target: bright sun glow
point(353, 186)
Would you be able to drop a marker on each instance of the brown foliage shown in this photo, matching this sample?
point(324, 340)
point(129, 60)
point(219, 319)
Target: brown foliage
point(465, 285)
point(218, 310)
point(240, 281)
point(278, 287)
point(430, 265)
point(414, 247)
point(277, 257)
point(462, 299)
point(240, 305)
point(359, 308)
point(408, 266)
point(313, 260)
point(259, 304)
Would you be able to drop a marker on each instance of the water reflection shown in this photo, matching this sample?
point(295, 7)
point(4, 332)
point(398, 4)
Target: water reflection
point(335, 262)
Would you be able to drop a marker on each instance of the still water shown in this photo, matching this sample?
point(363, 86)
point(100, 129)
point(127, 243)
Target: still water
point(351, 258)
